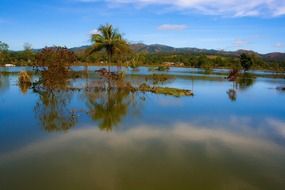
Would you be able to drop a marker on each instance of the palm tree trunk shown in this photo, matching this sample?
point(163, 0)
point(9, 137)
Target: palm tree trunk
point(87, 76)
point(109, 63)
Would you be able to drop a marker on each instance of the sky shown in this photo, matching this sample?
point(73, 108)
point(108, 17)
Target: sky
point(257, 25)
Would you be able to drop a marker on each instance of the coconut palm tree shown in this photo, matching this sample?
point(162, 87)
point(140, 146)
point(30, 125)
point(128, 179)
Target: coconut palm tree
point(109, 39)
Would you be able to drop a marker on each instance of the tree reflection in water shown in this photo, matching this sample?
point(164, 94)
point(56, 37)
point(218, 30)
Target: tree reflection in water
point(4, 82)
point(232, 94)
point(24, 87)
point(53, 112)
point(109, 101)
point(243, 82)
point(52, 108)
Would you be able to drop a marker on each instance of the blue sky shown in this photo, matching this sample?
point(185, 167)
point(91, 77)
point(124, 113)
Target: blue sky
point(226, 24)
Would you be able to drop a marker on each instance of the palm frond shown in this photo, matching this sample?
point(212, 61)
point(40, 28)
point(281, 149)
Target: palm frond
point(110, 39)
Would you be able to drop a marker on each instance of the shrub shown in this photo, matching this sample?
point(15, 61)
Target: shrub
point(54, 66)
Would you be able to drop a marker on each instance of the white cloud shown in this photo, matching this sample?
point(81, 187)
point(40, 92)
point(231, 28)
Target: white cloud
point(177, 27)
point(277, 126)
point(233, 8)
point(134, 137)
point(280, 11)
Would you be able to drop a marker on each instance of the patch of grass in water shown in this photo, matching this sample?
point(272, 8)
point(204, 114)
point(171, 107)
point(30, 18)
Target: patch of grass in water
point(165, 90)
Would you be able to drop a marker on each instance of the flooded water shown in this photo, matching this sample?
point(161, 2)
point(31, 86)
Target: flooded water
point(227, 136)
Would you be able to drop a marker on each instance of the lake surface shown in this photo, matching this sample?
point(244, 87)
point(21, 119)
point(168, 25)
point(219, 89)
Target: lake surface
point(227, 136)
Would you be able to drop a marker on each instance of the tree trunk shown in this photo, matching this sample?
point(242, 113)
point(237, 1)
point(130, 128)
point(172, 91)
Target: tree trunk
point(109, 62)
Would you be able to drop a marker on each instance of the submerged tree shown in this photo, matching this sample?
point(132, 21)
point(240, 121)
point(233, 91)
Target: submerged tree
point(53, 64)
point(52, 109)
point(109, 39)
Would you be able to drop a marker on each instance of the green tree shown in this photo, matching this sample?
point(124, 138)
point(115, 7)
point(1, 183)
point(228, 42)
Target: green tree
point(3, 46)
point(245, 61)
point(219, 61)
point(202, 60)
point(3, 52)
point(28, 55)
point(109, 39)
point(207, 67)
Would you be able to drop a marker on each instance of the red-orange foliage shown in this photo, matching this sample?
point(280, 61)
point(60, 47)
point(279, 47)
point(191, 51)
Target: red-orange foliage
point(54, 64)
point(55, 58)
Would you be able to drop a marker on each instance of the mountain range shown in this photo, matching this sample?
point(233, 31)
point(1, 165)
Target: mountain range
point(158, 48)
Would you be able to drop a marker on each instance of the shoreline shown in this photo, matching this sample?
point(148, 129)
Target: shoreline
point(188, 71)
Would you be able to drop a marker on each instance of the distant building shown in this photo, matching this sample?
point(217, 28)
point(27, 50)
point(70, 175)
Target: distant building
point(169, 64)
point(9, 65)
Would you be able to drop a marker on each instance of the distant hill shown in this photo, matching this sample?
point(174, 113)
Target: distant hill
point(158, 48)
point(154, 48)
point(275, 56)
point(81, 48)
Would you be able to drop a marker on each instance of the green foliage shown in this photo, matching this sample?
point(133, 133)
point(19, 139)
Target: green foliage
point(246, 61)
point(109, 39)
point(108, 107)
point(165, 90)
point(3, 46)
point(27, 55)
point(3, 53)
point(202, 60)
point(136, 60)
point(218, 61)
